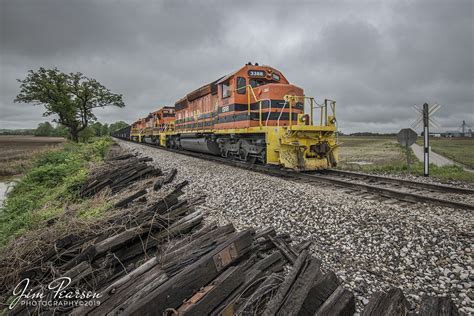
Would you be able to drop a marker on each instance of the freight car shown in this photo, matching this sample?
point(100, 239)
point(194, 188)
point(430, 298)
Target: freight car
point(253, 114)
point(123, 133)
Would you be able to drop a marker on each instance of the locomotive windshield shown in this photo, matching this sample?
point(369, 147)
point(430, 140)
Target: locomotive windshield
point(257, 82)
point(261, 81)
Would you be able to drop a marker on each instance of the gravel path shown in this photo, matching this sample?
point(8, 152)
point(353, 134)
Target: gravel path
point(370, 245)
point(435, 158)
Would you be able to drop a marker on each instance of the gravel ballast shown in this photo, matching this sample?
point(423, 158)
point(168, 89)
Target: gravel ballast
point(422, 249)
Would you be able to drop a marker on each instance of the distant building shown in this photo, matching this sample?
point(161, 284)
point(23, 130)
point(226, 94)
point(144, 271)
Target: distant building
point(468, 133)
point(452, 134)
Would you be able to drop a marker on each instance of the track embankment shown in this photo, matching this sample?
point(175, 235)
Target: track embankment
point(370, 244)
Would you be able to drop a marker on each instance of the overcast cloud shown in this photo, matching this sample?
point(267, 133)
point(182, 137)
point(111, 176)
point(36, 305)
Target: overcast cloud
point(376, 58)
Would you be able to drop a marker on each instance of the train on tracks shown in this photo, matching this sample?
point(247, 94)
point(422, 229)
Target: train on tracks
point(254, 115)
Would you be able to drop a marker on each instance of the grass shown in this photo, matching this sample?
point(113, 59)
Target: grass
point(460, 150)
point(93, 208)
point(50, 185)
point(381, 154)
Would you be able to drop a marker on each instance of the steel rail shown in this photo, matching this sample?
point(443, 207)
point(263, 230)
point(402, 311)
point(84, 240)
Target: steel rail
point(408, 183)
point(391, 193)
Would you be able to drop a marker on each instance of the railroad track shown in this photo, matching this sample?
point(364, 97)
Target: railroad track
point(374, 187)
point(388, 188)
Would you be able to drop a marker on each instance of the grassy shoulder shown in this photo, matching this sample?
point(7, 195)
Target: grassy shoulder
point(384, 155)
point(460, 150)
point(50, 186)
point(445, 173)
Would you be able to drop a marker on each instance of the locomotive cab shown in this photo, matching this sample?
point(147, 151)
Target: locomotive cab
point(240, 93)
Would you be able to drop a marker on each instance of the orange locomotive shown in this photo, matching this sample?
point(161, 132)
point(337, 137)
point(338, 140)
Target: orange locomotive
point(137, 130)
point(224, 103)
point(253, 114)
point(148, 129)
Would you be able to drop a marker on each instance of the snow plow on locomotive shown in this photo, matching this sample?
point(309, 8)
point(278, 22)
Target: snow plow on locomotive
point(253, 115)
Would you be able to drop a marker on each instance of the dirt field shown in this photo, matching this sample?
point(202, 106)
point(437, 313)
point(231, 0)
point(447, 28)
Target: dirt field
point(16, 151)
point(369, 151)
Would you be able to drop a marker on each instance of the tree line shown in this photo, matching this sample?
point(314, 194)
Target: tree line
point(95, 129)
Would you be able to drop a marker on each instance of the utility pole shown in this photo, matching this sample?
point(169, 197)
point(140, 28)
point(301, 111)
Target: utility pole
point(426, 137)
point(463, 127)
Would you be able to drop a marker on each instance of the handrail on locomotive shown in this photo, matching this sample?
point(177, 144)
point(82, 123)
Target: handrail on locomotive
point(290, 100)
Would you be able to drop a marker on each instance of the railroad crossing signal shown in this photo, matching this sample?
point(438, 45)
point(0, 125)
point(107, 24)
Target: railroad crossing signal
point(425, 117)
point(407, 137)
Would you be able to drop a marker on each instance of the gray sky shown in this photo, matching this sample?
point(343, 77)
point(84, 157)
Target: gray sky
point(376, 58)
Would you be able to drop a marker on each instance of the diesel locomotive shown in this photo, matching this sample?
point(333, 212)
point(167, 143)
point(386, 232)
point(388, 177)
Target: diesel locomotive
point(253, 114)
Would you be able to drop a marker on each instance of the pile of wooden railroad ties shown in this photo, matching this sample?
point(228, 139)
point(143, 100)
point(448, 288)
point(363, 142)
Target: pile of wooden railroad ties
point(159, 255)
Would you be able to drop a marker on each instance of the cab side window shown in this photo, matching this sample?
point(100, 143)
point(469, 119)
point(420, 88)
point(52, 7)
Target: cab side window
point(225, 89)
point(241, 85)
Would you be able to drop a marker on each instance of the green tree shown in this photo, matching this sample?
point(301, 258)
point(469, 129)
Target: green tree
point(86, 134)
point(72, 97)
point(60, 131)
point(116, 126)
point(44, 129)
point(97, 126)
point(105, 130)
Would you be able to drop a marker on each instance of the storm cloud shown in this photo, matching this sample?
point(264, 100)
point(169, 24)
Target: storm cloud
point(376, 58)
